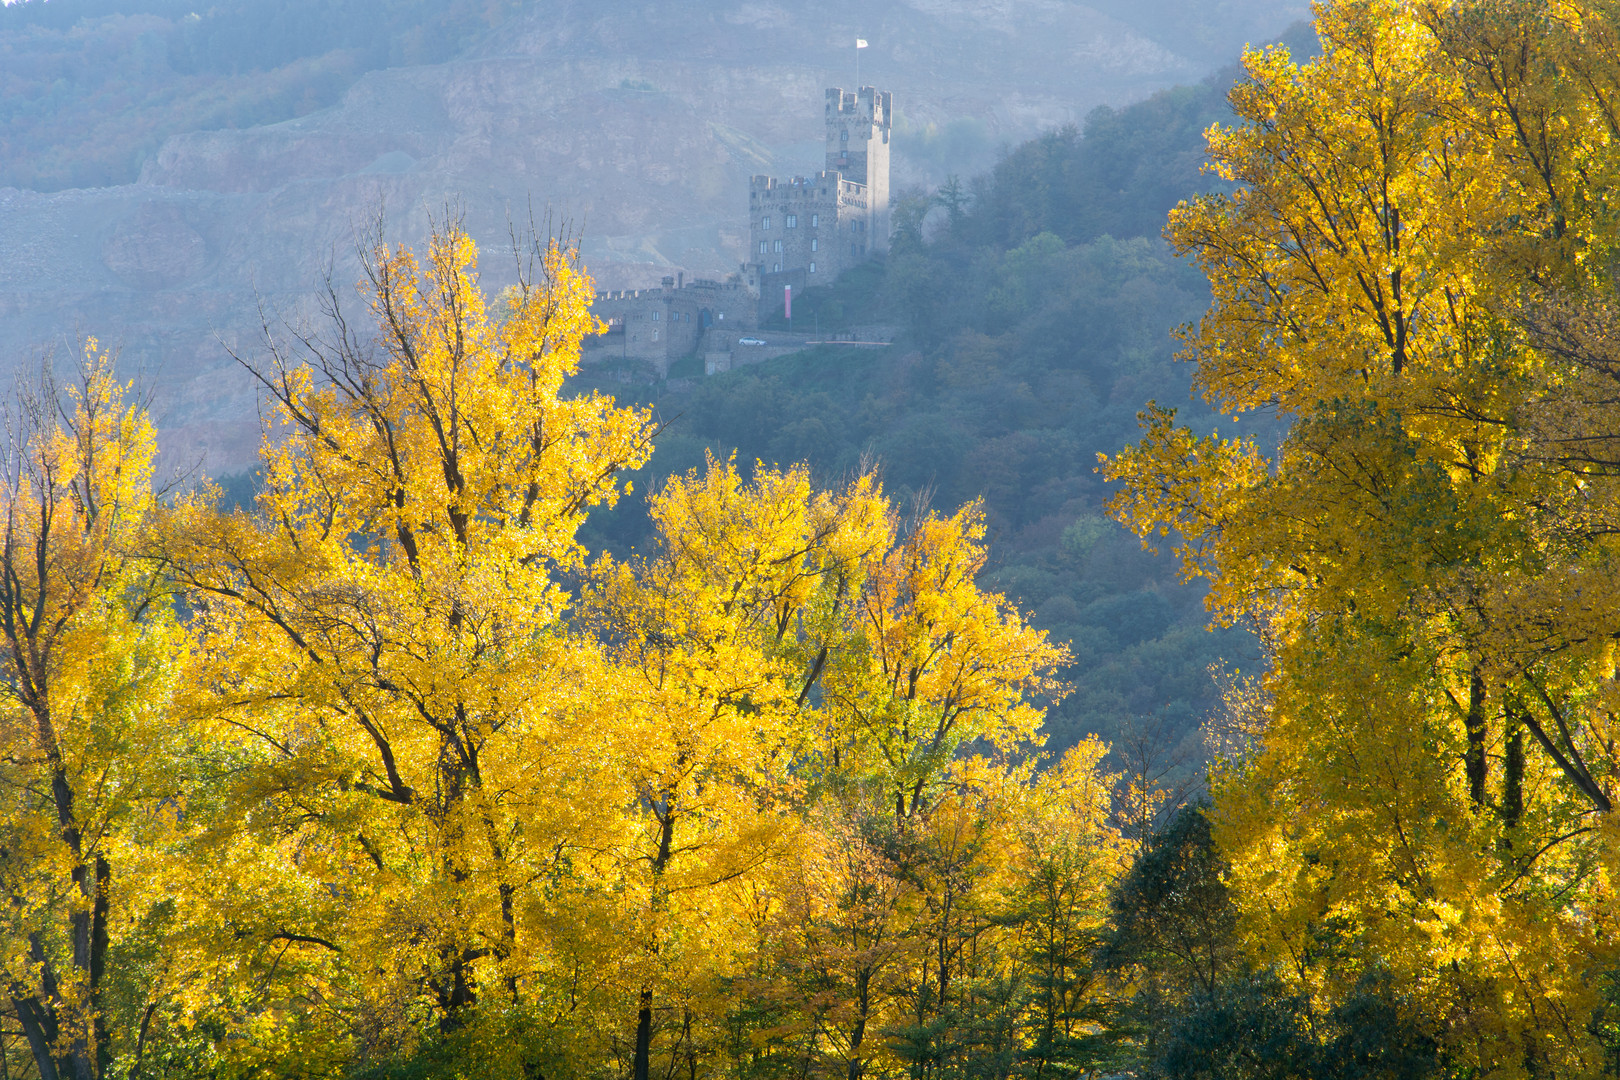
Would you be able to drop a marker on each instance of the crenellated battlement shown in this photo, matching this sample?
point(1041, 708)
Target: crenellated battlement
point(701, 285)
point(823, 187)
point(866, 105)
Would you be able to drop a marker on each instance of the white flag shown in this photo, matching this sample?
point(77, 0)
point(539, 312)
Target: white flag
point(860, 43)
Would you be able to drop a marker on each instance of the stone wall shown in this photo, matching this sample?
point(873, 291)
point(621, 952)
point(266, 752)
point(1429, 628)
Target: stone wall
point(663, 325)
point(795, 223)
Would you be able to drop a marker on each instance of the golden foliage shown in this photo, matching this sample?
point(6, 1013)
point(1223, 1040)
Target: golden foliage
point(387, 765)
point(89, 749)
point(1426, 553)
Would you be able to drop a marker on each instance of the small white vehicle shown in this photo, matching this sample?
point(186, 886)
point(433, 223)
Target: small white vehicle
point(750, 341)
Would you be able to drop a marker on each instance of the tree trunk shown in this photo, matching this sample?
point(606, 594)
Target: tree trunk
point(40, 1030)
point(98, 968)
point(455, 989)
point(666, 842)
point(643, 1036)
point(1513, 778)
point(70, 1042)
point(1474, 722)
point(863, 998)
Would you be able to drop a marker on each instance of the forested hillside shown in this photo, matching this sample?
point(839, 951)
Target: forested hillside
point(1039, 305)
point(172, 172)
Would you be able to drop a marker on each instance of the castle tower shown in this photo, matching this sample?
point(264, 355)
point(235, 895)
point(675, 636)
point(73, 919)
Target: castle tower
point(806, 230)
point(858, 127)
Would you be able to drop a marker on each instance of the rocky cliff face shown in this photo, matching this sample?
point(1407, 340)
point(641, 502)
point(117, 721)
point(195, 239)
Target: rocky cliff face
point(635, 124)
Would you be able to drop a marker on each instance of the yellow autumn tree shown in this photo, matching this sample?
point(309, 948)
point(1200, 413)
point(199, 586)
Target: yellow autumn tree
point(800, 679)
point(958, 941)
point(1432, 572)
point(388, 652)
point(708, 635)
point(88, 754)
point(484, 802)
point(931, 718)
point(932, 664)
point(882, 675)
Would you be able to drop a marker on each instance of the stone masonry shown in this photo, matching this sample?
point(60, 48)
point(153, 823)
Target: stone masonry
point(664, 324)
point(803, 231)
point(810, 229)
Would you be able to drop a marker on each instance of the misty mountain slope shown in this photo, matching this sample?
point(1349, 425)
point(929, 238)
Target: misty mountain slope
point(637, 124)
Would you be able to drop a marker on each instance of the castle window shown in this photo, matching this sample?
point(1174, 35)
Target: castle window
point(765, 222)
point(721, 317)
point(778, 269)
point(655, 335)
point(812, 268)
point(655, 316)
point(762, 247)
point(792, 221)
point(815, 220)
point(843, 136)
point(815, 243)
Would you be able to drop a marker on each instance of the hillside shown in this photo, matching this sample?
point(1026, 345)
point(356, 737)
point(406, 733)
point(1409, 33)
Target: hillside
point(638, 126)
point(1038, 304)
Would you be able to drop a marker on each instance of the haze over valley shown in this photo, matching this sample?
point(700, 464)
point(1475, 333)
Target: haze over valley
point(635, 125)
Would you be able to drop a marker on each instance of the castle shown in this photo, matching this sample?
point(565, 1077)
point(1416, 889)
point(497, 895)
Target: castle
point(808, 230)
point(802, 231)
